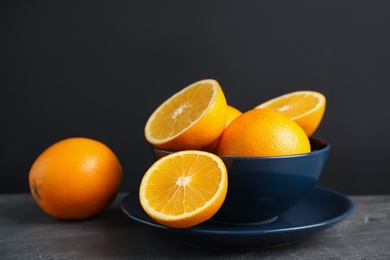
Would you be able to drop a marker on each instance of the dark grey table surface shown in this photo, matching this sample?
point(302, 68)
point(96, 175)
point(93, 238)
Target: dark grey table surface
point(26, 232)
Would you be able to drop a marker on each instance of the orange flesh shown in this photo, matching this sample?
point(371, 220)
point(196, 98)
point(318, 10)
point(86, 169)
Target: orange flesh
point(189, 187)
point(295, 105)
point(180, 112)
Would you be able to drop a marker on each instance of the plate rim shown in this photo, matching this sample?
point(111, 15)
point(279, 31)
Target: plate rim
point(251, 229)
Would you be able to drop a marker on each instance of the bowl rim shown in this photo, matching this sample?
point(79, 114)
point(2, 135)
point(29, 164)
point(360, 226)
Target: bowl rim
point(322, 150)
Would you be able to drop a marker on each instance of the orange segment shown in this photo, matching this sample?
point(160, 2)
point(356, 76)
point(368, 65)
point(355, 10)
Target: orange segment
point(184, 189)
point(193, 118)
point(305, 107)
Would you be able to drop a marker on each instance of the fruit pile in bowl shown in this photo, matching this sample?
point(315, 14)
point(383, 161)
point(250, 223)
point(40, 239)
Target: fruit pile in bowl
point(216, 162)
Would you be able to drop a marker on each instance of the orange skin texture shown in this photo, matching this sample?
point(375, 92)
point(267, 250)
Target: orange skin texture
point(232, 113)
point(310, 122)
point(263, 132)
point(75, 178)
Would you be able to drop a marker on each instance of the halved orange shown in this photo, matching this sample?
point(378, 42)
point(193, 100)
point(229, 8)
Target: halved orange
point(304, 107)
point(193, 118)
point(184, 189)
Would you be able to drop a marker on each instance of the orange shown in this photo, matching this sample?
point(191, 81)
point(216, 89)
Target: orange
point(232, 113)
point(184, 189)
point(305, 107)
point(193, 118)
point(75, 178)
point(262, 132)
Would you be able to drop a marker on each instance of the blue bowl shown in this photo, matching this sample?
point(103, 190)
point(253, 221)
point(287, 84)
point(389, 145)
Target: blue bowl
point(262, 188)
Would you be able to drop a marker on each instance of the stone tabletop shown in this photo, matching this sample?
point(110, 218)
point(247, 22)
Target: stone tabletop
point(26, 232)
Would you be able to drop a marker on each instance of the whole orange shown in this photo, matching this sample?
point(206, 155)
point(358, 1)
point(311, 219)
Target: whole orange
point(75, 178)
point(232, 113)
point(262, 132)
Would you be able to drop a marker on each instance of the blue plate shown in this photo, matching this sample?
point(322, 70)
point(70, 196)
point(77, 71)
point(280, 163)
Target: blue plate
point(318, 211)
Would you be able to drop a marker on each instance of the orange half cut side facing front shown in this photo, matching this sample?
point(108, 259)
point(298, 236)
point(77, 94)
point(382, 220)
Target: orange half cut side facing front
point(184, 188)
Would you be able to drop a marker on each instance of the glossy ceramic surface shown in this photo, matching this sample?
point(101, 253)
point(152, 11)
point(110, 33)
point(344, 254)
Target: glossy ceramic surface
point(319, 210)
point(262, 188)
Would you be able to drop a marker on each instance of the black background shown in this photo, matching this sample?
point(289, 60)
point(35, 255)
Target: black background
point(99, 68)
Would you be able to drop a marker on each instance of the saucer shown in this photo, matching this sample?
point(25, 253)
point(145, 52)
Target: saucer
point(319, 210)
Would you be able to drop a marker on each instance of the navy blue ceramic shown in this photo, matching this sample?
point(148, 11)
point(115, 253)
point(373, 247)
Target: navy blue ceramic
point(318, 211)
point(262, 188)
